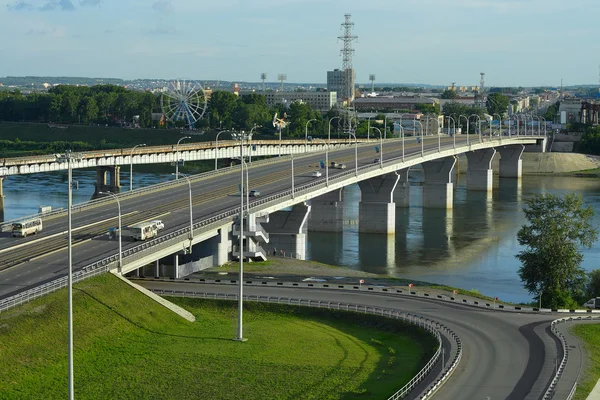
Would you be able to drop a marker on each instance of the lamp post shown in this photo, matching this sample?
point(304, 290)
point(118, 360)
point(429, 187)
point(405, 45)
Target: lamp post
point(544, 119)
point(189, 182)
point(454, 134)
point(479, 125)
point(368, 128)
point(499, 124)
point(465, 117)
point(240, 337)
point(381, 147)
point(421, 136)
point(327, 151)
point(217, 146)
point(177, 155)
point(69, 157)
point(306, 134)
point(355, 154)
point(114, 196)
point(131, 165)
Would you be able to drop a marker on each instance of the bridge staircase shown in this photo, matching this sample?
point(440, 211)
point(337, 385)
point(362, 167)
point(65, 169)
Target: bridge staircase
point(255, 235)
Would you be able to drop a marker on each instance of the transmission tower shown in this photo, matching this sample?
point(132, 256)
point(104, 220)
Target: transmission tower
point(281, 78)
point(263, 76)
point(347, 52)
point(482, 89)
point(372, 79)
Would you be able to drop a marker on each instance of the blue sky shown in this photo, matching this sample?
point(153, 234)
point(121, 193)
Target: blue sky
point(515, 42)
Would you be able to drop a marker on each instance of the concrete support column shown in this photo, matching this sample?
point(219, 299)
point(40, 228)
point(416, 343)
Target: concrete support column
point(287, 231)
point(511, 165)
point(377, 211)
point(327, 212)
point(438, 189)
point(402, 192)
point(479, 170)
point(222, 245)
point(157, 269)
point(176, 266)
point(107, 180)
point(1, 200)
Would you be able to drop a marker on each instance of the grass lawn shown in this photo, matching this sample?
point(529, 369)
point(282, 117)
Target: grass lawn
point(590, 336)
point(128, 347)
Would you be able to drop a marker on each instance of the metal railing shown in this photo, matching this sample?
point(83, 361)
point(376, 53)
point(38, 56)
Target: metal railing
point(433, 327)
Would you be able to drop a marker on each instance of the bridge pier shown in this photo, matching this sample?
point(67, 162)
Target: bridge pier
point(511, 164)
point(327, 212)
point(287, 231)
point(1, 200)
point(222, 247)
point(376, 210)
point(438, 189)
point(479, 170)
point(402, 192)
point(112, 184)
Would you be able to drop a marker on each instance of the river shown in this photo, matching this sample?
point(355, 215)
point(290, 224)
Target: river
point(472, 246)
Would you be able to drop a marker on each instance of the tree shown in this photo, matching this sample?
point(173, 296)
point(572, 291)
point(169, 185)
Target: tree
point(593, 286)
point(448, 94)
point(428, 108)
point(497, 103)
point(551, 261)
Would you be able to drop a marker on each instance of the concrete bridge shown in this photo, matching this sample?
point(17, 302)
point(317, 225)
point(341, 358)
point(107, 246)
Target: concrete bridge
point(279, 219)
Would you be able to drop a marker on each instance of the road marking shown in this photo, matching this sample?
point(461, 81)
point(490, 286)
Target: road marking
point(62, 233)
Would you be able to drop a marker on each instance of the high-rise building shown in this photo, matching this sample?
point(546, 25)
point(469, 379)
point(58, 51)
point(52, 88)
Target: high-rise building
point(343, 87)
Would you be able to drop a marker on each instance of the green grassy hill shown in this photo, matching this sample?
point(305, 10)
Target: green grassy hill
point(129, 347)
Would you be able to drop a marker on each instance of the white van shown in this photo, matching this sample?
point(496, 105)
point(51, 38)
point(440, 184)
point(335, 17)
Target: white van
point(593, 303)
point(143, 230)
point(158, 224)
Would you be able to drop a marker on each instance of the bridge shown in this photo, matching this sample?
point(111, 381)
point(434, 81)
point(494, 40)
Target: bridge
point(290, 205)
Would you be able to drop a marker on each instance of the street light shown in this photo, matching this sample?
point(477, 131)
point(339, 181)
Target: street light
point(544, 119)
point(454, 134)
point(131, 165)
point(240, 337)
point(217, 146)
point(191, 236)
point(327, 151)
point(479, 125)
point(500, 124)
point(402, 137)
point(306, 134)
point(114, 196)
point(421, 136)
point(467, 126)
point(69, 157)
point(355, 154)
point(381, 147)
point(177, 156)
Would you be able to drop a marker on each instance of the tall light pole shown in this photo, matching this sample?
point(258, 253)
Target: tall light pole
point(355, 154)
point(240, 337)
point(454, 134)
point(191, 235)
point(327, 150)
point(465, 117)
point(499, 123)
point(177, 156)
point(544, 119)
point(114, 196)
point(421, 137)
point(306, 134)
point(69, 157)
point(402, 137)
point(381, 147)
point(217, 147)
point(479, 125)
point(131, 165)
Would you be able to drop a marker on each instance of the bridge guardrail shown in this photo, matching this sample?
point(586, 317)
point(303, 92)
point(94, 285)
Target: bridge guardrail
point(433, 327)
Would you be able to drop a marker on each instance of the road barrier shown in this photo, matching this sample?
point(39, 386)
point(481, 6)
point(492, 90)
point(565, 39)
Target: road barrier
point(433, 327)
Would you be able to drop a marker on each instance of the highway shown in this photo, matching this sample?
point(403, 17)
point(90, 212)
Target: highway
point(27, 262)
point(506, 355)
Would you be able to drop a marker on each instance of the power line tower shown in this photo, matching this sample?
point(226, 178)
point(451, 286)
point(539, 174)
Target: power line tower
point(263, 76)
point(347, 95)
point(482, 90)
point(372, 79)
point(281, 78)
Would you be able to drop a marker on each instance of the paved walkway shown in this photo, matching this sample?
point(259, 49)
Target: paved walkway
point(595, 394)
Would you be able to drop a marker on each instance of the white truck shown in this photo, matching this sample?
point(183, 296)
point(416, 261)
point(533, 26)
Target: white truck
point(593, 303)
point(145, 230)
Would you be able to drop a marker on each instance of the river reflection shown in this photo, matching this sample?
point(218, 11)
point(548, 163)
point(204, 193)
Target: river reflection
point(472, 246)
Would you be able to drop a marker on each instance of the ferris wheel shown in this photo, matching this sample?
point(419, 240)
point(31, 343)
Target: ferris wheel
point(184, 101)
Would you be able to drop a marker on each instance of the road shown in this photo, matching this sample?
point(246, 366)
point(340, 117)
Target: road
point(505, 355)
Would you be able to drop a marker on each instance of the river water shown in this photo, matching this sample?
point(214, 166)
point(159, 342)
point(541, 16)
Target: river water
point(472, 246)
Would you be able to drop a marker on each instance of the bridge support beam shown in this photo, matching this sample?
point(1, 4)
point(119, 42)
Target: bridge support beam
point(377, 211)
point(222, 247)
point(402, 192)
point(511, 165)
point(327, 212)
point(107, 180)
point(1, 200)
point(479, 171)
point(287, 231)
point(438, 189)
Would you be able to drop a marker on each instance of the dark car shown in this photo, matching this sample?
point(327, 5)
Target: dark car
point(254, 193)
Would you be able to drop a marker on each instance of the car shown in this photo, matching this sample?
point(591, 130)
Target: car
point(316, 174)
point(376, 161)
point(254, 193)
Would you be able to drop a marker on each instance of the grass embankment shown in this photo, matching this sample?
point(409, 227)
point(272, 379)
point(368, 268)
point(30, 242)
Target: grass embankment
point(128, 347)
point(590, 336)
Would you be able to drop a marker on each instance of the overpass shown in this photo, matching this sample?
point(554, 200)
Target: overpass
point(279, 219)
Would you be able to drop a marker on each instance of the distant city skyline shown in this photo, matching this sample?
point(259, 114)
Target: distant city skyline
point(436, 42)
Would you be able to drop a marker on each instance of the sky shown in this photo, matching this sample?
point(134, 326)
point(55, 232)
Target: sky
point(515, 42)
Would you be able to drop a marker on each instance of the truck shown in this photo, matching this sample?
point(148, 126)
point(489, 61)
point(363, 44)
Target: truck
point(337, 165)
point(593, 303)
point(144, 230)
